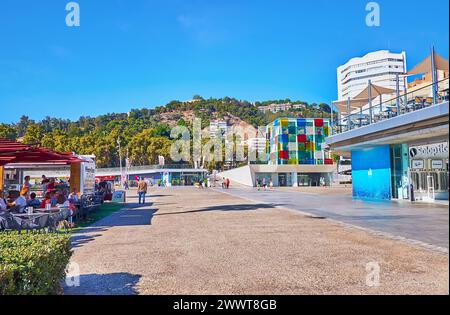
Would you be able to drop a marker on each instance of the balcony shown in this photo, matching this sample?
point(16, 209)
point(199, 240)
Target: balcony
point(375, 112)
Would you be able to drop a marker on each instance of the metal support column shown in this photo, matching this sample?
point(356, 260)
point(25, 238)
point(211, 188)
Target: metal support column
point(434, 76)
point(370, 102)
point(397, 91)
point(348, 113)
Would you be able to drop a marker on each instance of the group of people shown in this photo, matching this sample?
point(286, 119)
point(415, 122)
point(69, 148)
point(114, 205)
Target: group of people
point(51, 198)
point(263, 184)
point(226, 183)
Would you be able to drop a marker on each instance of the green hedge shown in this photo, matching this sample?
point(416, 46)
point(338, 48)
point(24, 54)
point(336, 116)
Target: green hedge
point(33, 264)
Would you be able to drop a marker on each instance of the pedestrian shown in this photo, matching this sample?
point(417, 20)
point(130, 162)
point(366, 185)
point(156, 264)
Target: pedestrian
point(228, 183)
point(264, 185)
point(25, 191)
point(271, 184)
point(142, 190)
point(44, 183)
point(223, 183)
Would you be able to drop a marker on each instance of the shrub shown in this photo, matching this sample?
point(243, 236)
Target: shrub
point(33, 264)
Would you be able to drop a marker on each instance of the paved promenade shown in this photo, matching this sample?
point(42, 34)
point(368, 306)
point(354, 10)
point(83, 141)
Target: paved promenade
point(191, 241)
point(426, 223)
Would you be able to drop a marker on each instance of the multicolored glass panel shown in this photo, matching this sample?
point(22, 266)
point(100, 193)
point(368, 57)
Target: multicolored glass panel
point(298, 141)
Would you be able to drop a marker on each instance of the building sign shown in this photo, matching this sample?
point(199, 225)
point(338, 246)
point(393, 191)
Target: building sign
point(437, 164)
point(417, 164)
point(438, 150)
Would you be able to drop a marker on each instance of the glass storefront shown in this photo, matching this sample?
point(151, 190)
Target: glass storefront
point(285, 179)
point(263, 178)
point(429, 171)
point(313, 180)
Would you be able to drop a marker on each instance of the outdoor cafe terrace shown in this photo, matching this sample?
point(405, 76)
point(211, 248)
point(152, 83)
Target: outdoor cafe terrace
point(376, 103)
point(16, 211)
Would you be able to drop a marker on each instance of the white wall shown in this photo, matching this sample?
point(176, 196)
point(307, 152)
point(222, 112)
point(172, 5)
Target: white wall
point(242, 175)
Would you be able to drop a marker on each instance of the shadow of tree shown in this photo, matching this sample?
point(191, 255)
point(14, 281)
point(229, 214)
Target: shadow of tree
point(105, 284)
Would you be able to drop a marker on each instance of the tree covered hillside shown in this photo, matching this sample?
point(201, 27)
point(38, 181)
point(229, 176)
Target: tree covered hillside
point(144, 133)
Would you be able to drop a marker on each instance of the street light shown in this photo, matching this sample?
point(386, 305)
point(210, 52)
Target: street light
point(120, 162)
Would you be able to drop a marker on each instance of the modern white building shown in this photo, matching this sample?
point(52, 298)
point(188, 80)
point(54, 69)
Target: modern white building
point(275, 108)
point(381, 67)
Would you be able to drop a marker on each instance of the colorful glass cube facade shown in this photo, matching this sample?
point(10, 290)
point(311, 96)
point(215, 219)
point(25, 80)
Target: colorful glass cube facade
point(297, 141)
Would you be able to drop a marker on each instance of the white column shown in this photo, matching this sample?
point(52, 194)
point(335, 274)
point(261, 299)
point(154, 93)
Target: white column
point(294, 176)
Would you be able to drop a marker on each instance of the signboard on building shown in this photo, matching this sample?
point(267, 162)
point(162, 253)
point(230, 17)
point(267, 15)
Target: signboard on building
point(437, 164)
point(429, 151)
point(417, 164)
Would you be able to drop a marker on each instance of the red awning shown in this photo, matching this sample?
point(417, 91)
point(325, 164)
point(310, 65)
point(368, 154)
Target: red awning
point(14, 152)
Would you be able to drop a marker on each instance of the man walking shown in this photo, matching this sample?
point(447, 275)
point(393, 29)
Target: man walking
point(142, 190)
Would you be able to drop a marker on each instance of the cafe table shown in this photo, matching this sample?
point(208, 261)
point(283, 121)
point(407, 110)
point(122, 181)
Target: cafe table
point(29, 215)
point(51, 210)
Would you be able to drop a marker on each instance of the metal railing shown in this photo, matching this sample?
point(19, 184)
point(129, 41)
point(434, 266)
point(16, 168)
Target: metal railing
point(404, 103)
point(147, 167)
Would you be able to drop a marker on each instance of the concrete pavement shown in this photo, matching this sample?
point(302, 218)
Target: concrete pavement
point(426, 223)
point(192, 241)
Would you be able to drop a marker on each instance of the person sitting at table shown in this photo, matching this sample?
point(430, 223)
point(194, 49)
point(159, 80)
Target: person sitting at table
point(51, 185)
point(53, 198)
point(33, 202)
point(3, 203)
point(46, 200)
point(73, 197)
point(19, 204)
point(63, 202)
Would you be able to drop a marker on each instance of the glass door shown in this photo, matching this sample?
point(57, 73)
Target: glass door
point(399, 171)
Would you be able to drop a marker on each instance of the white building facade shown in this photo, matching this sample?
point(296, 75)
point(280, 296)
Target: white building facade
point(380, 67)
point(275, 108)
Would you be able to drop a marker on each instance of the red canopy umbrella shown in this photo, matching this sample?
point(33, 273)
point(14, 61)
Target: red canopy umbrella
point(14, 152)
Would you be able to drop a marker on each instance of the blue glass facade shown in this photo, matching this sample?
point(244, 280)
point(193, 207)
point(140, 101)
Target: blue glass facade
point(371, 172)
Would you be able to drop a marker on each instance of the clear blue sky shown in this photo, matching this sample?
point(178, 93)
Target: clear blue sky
point(143, 53)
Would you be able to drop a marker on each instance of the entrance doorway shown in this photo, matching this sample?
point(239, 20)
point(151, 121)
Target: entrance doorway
point(399, 172)
point(285, 179)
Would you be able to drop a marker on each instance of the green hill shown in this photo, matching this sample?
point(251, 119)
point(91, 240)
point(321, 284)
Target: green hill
point(144, 133)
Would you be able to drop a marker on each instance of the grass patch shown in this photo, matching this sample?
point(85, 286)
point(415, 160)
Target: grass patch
point(104, 211)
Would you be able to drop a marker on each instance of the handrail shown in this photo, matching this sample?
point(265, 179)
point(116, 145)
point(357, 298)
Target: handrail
point(148, 167)
point(393, 107)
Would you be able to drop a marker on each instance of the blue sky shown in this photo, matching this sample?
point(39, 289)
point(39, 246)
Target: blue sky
point(144, 53)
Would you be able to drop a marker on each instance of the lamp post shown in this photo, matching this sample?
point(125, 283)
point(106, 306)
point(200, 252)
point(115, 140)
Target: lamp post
point(120, 163)
point(331, 118)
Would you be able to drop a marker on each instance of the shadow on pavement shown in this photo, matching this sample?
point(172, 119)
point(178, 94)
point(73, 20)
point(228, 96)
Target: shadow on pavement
point(238, 207)
point(104, 284)
point(79, 240)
